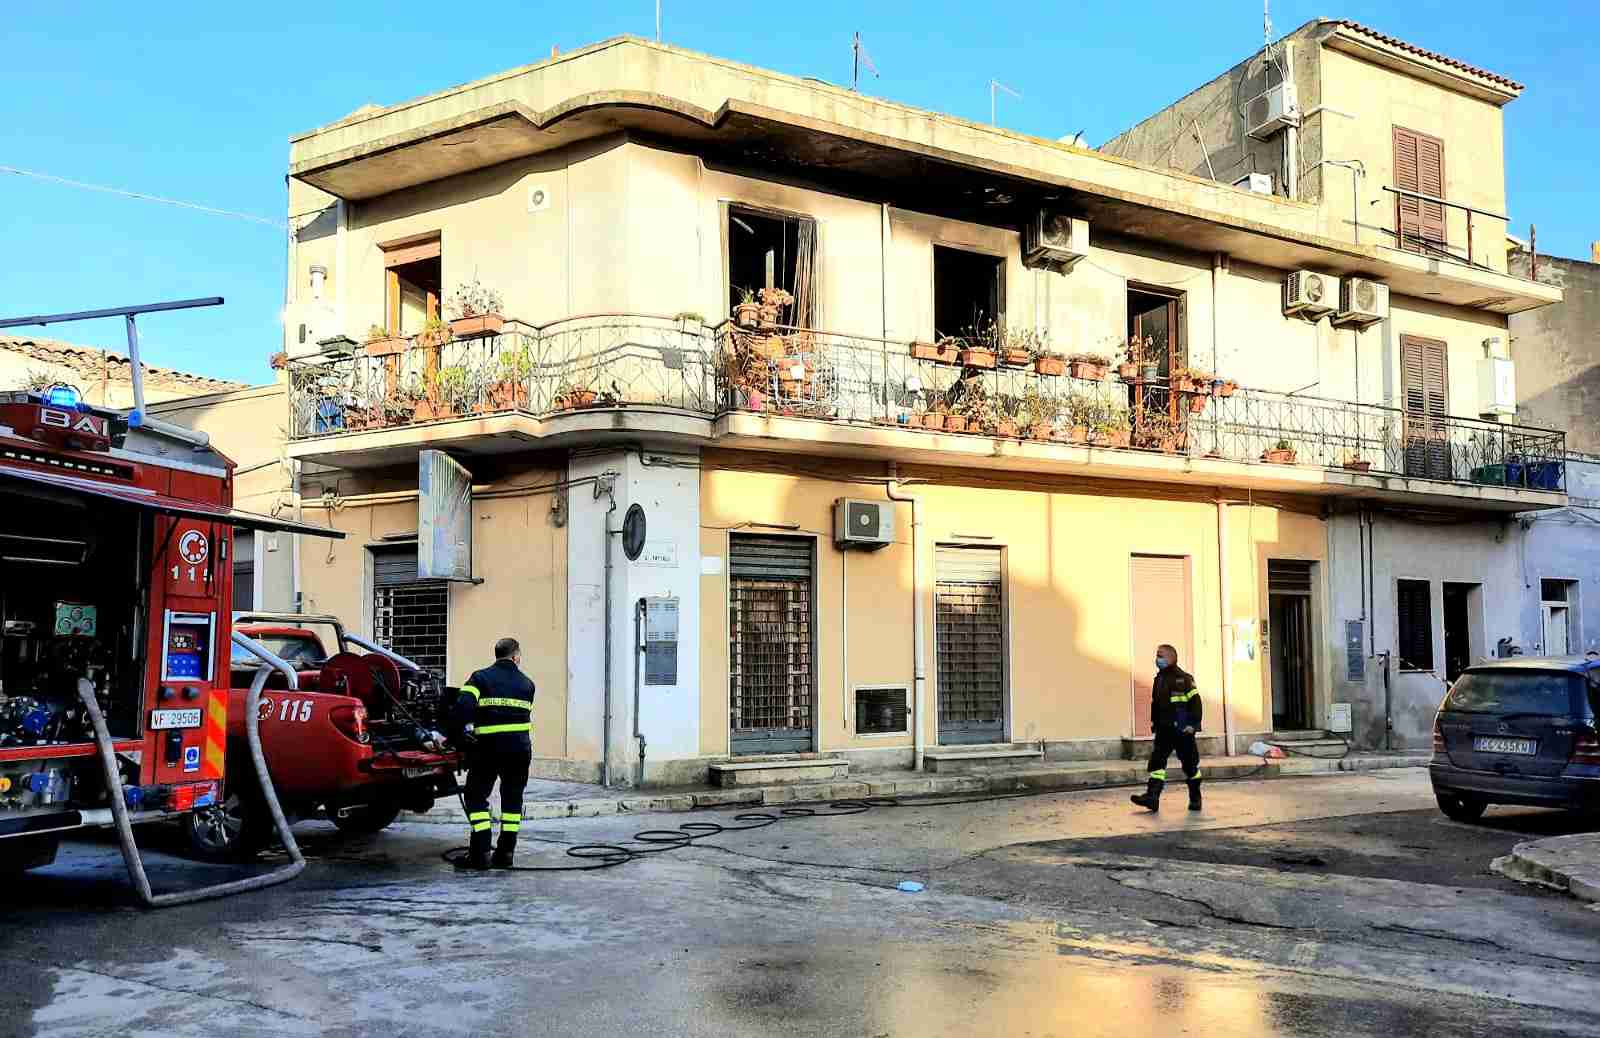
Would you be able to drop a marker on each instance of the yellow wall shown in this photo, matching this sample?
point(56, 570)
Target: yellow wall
point(1067, 561)
point(1380, 99)
point(521, 556)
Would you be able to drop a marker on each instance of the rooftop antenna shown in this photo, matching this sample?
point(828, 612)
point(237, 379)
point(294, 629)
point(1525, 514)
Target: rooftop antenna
point(994, 86)
point(658, 21)
point(858, 56)
point(1266, 23)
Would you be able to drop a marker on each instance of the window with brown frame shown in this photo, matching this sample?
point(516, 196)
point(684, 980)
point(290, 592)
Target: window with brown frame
point(413, 280)
point(1419, 167)
point(1425, 396)
point(1158, 319)
point(773, 250)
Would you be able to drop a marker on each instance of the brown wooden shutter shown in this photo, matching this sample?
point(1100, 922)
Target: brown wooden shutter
point(1419, 167)
point(1425, 395)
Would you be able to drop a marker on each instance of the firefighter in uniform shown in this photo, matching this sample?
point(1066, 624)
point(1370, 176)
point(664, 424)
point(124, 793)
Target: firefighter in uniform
point(1175, 716)
point(497, 704)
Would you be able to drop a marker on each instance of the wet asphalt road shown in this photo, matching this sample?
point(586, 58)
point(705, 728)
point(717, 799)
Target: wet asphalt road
point(1327, 906)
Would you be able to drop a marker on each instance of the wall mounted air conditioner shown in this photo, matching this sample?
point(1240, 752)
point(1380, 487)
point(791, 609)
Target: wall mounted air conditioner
point(1309, 294)
point(1268, 112)
point(862, 525)
point(307, 325)
point(1257, 183)
point(1055, 240)
point(1497, 386)
point(1362, 301)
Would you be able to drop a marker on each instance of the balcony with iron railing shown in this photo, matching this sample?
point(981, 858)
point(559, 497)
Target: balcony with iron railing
point(867, 396)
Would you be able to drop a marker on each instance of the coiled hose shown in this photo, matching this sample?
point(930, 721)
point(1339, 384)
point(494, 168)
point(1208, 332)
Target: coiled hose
point(119, 809)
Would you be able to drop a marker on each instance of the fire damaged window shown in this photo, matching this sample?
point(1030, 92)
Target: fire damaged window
point(769, 250)
point(969, 293)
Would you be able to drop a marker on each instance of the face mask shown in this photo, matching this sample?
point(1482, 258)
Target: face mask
point(1162, 663)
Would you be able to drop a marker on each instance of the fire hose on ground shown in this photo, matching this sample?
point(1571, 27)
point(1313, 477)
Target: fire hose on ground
point(252, 727)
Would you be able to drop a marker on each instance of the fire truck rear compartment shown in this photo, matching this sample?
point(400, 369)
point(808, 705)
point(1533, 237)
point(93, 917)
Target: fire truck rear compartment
point(72, 575)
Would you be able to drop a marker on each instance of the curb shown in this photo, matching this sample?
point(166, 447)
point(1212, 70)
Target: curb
point(1570, 864)
point(1041, 778)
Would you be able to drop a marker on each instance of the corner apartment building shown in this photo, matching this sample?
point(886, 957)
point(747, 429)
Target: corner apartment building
point(884, 523)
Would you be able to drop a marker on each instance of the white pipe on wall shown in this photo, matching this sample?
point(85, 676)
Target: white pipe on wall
point(918, 617)
point(1224, 591)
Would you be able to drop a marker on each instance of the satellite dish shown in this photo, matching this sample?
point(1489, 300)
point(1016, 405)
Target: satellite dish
point(633, 528)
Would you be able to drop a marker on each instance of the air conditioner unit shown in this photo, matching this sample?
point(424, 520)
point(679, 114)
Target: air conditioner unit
point(1362, 301)
point(862, 525)
point(1310, 294)
point(1055, 240)
point(1267, 113)
point(1497, 386)
point(1258, 183)
point(307, 325)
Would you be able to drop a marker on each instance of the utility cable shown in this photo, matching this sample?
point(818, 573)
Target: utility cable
point(143, 197)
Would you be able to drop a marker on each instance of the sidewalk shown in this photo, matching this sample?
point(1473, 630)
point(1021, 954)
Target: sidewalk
point(547, 799)
point(1569, 863)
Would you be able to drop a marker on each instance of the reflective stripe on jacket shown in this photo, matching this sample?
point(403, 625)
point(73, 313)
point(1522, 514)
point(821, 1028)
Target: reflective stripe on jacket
point(504, 704)
point(1175, 701)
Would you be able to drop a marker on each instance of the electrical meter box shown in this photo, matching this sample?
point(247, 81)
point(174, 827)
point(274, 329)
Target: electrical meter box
point(660, 641)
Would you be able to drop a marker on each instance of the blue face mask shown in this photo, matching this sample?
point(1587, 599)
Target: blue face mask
point(1162, 663)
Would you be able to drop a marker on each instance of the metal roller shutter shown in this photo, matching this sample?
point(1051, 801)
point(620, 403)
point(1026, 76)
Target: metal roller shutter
point(1161, 614)
point(770, 651)
point(970, 645)
point(409, 616)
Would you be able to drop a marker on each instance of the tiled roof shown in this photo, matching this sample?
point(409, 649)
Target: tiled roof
point(94, 363)
point(1412, 48)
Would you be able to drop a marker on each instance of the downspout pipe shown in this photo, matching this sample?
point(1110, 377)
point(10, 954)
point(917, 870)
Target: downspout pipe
point(638, 655)
point(919, 589)
point(607, 487)
point(1225, 594)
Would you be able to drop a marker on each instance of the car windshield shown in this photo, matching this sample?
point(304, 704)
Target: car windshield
point(301, 651)
point(1541, 692)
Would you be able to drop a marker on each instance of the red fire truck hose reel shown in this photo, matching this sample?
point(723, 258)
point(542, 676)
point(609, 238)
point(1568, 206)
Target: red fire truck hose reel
point(119, 809)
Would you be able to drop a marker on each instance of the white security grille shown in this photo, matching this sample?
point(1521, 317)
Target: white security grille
point(770, 675)
point(412, 619)
point(970, 646)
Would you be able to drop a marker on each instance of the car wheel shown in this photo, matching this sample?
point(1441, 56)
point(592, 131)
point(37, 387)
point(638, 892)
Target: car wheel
point(368, 818)
point(234, 830)
point(1461, 808)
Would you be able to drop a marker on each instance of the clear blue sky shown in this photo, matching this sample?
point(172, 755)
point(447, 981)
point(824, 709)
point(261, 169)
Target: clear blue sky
point(197, 101)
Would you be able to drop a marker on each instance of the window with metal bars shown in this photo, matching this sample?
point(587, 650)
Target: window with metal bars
point(970, 645)
point(770, 651)
point(409, 616)
point(1415, 608)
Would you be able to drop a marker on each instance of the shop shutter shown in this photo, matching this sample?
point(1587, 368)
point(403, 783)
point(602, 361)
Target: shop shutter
point(1161, 614)
point(1288, 577)
point(969, 645)
point(394, 565)
point(770, 651)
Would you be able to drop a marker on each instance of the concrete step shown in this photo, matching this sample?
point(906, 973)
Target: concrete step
point(960, 760)
point(1320, 743)
point(1139, 748)
point(1299, 736)
point(778, 770)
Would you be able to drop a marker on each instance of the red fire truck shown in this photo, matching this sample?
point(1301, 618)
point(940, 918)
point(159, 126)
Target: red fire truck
point(116, 574)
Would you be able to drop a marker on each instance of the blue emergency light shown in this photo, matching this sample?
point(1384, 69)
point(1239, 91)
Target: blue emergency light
point(63, 396)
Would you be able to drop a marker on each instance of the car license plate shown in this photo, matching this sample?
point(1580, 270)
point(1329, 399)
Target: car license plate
point(175, 719)
point(419, 772)
point(1491, 744)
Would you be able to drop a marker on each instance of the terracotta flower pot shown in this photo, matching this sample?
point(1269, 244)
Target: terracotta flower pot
point(955, 423)
point(1278, 456)
point(1015, 358)
point(1078, 434)
point(433, 340)
point(1119, 438)
point(1197, 405)
point(387, 347)
point(508, 396)
point(576, 398)
point(1357, 465)
point(1050, 366)
point(1005, 427)
point(1040, 431)
point(978, 358)
point(477, 326)
point(1089, 370)
point(745, 315)
point(430, 411)
point(933, 420)
point(1127, 371)
point(939, 353)
point(1183, 384)
point(1226, 388)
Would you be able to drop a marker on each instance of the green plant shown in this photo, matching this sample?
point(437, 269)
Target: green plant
point(747, 297)
point(377, 332)
point(435, 328)
point(516, 365)
point(1089, 358)
point(1282, 445)
point(689, 316)
point(474, 299)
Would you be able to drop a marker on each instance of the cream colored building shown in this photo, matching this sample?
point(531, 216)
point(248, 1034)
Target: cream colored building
point(622, 197)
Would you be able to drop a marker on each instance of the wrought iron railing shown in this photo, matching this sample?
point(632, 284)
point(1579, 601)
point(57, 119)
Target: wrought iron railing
point(681, 364)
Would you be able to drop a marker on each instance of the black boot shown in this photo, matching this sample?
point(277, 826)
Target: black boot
point(1194, 794)
point(477, 859)
point(504, 851)
point(1150, 799)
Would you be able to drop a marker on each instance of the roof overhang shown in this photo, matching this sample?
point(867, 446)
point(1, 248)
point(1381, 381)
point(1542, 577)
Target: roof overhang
point(1419, 64)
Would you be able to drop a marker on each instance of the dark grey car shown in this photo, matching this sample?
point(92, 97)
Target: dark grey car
point(1519, 731)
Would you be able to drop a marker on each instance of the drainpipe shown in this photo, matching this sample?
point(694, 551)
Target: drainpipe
point(1291, 135)
point(607, 486)
point(918, 616)
point(638, 654)
point(1224, 591)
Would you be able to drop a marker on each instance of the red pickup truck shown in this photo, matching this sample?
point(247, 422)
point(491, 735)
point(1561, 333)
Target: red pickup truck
point(358, 741)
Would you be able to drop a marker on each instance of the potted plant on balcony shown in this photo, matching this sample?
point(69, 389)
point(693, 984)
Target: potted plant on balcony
point(1280, 453)
point(934, 417)
point(746, 312)
point(772, 303)
point(1224, 386)
point(1150, 359)
point(980, 350)
point(1049, 362)
point(572, 396)
point(381, 344)
point(477, 309)
point(1092, 367)
point(1017, 349)
point(1354, 462)
point(945, 351)
point(1128, 366)
point(510, 391)
point(435, 333)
